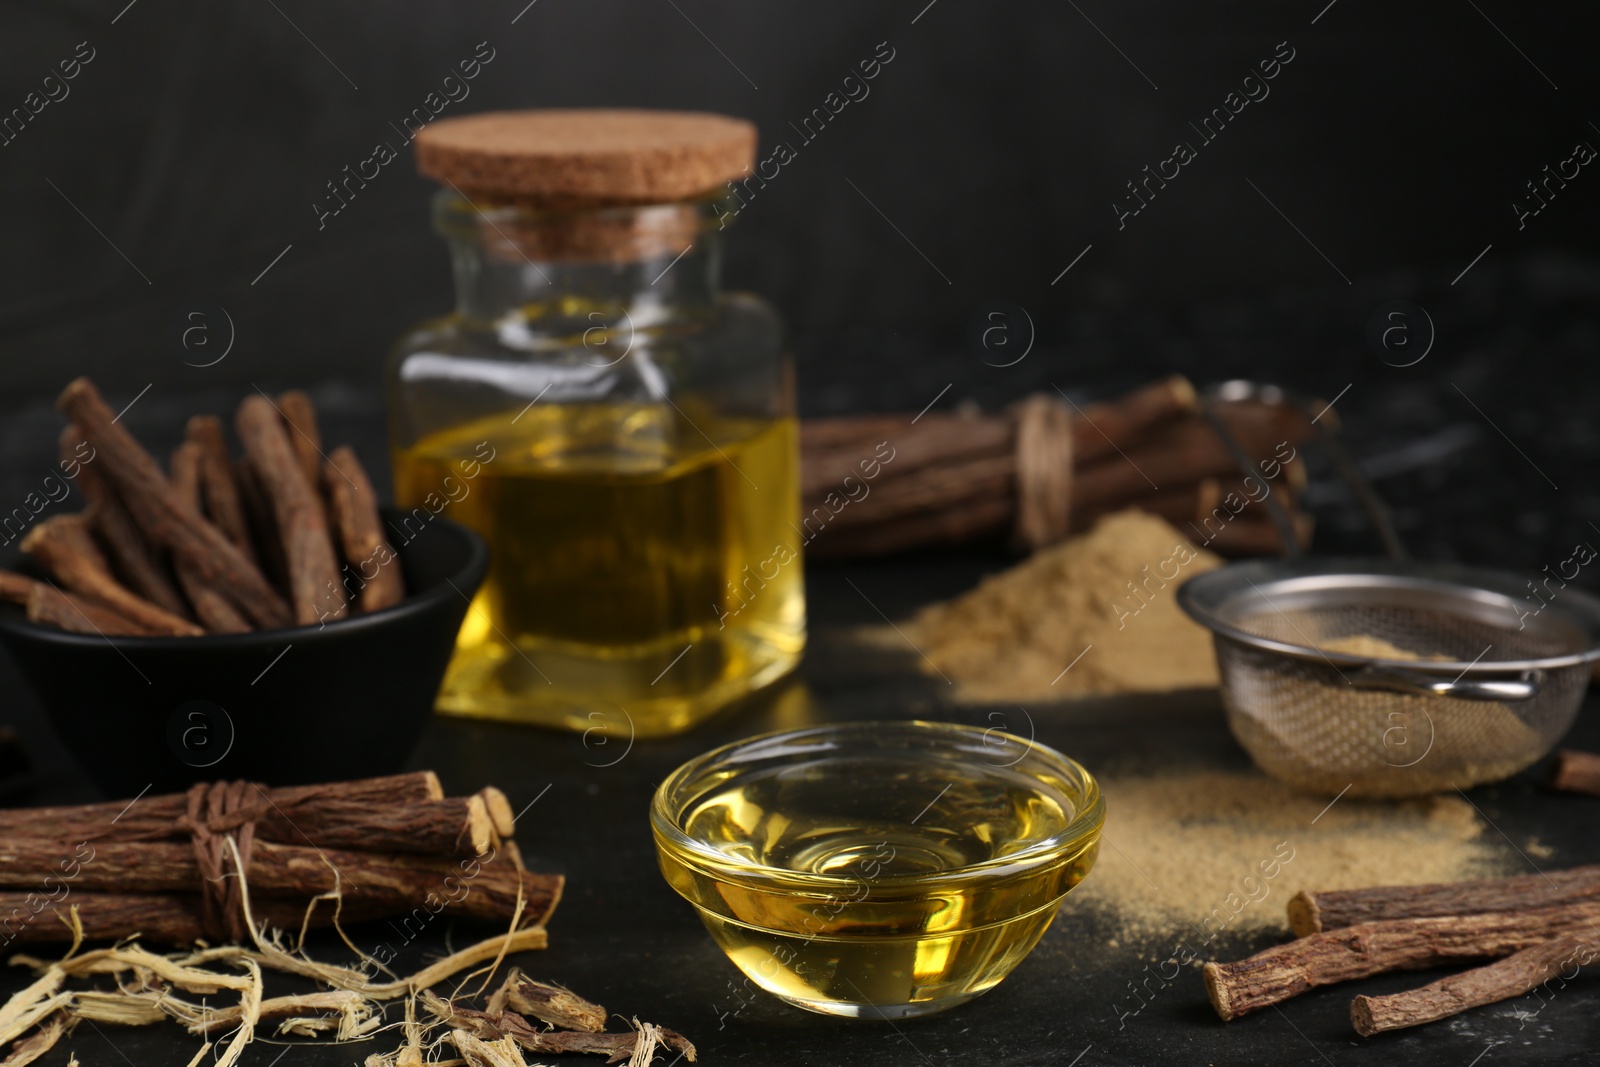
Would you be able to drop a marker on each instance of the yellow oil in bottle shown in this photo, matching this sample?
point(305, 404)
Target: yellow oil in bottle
point(906, 927)
point(645, 567)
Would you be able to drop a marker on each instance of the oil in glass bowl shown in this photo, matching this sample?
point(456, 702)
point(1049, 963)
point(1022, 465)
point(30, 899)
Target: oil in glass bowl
point(882, 870)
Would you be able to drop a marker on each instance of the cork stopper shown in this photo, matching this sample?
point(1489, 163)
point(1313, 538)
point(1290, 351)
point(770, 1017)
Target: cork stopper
point(590, 157)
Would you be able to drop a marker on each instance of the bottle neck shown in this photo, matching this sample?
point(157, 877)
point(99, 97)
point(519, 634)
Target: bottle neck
point(538, 277)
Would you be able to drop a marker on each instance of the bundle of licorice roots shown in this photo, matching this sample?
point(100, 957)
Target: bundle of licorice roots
point(1046, 468)
point(173, 869)
point(283, 536)
point(1536, 928)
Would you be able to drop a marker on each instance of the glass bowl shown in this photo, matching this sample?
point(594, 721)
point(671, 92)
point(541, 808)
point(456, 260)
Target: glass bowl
point(878, 869)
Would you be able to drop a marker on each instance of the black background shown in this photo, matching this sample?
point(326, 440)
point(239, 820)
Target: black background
point(994, 145)
point(985, 160)
point(996, 141)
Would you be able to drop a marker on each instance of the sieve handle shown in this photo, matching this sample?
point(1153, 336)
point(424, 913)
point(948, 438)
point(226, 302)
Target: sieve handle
point(1522, 687)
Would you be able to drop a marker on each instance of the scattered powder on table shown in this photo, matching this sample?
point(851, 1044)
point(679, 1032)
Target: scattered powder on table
point(1111, 591)
point(1193, 855)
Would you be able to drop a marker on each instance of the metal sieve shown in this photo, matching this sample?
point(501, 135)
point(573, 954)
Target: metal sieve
point(1499, 678)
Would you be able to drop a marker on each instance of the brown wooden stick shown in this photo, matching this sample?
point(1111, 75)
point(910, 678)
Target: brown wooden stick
point(1209, 498)
point(485, 888)
point(1311, 912)
point(64, 546)
point(214, 609)
point(338, 814)
point(165, 918)
point(404, 788)
point(832, 446)
point(1117, 423)
point(493, 1025)
point(1251, 533)
point(835, 448)
point(1182, 453)
point(79, 614)
point(300, 415)
point(1295, 475)
point(353, 507)
point(149, 496)
point(1576, 772)
point(314, 584)
point(824, 433)
point(847, 447)
point(16, 587)
point(976, 520)
point(985, 515)
point(135, 562)
point(263, 525)
point(934, 439)
point(1146, 443)
point(1511, 977)
point(1288, 970)
point(454, 826)
point(937, 488)
point(552, 1005)
point(159, 918)
point(222, 501)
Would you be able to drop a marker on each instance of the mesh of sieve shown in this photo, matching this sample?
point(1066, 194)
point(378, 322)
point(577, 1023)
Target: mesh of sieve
point(1325, 720)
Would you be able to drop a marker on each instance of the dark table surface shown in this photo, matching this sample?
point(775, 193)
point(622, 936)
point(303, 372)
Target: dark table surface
point(1466, 485)
point(623, 938)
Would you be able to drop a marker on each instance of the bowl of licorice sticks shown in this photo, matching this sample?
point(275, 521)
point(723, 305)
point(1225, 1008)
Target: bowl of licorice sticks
point(252, 616)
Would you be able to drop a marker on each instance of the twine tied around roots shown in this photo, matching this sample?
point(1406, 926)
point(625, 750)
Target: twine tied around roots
point(1044, 472)
point(215, 812)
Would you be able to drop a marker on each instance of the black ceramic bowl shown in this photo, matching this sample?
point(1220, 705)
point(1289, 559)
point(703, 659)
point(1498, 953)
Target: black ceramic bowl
point(306, 704)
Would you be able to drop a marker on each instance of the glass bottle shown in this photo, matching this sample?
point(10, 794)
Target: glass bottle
point(623, 433)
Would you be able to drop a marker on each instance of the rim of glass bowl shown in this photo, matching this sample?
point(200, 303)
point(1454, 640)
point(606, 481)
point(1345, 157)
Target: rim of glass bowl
point(1073, 839)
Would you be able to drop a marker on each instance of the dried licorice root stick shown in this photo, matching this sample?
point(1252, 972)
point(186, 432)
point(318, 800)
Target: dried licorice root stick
point(216, 477)
point(64, 546)
point(1288, 970)
point(120, 535)
point(301, 417)
point(972, 520)
point(1576, 772)
point(486, 888)
point(154, 816)
point(490, 1026)
point(74, 614)
point(551, 1004)
point(79, 615)
point(1511, 977)
point(1310, 912)
point(258, 514)
point(16, 587)
point(164, 918)
point(354, 508)
point(1258, 535)
point(162, 517)
point(314, 584)
point(214, 609)
point(1132, 415)
point(453, 826)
